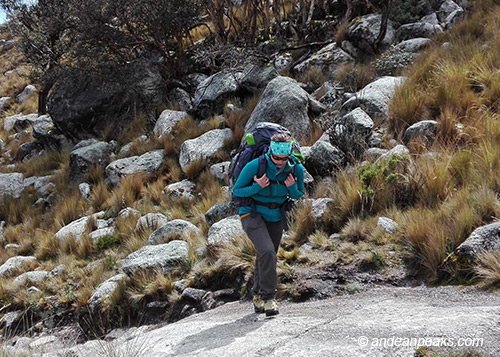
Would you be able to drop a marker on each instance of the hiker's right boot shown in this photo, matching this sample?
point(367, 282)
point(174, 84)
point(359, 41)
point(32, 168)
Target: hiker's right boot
point(271, 307)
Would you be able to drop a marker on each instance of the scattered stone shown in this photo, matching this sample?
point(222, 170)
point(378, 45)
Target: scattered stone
point(225, 230)
point(164, 257)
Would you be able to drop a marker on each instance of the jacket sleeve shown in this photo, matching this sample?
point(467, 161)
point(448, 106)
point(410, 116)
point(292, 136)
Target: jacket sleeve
point(297, 189)
point(245, 186)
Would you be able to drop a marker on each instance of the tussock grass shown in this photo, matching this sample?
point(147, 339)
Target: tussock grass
point(149, 284)
point(129, 191)
point(68, 208)
point(303, 223)
point(355, 77)
point(488, 269)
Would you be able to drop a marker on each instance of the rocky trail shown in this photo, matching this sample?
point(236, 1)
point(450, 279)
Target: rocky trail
point(383, 321)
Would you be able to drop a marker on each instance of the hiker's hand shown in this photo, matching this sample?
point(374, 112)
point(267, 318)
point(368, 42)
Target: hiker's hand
point(290, 180)
point(262, 181)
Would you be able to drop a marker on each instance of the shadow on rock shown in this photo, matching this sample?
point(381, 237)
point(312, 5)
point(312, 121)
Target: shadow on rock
point(220, 335)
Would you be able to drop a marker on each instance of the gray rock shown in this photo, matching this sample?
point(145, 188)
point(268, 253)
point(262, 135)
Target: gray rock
point(85, 190)
point(221, 171)
point(193, 295)
point(453, 18)
point(183, 189)
point(182, 98)
point(327, 60)
point(397, 150)
point(10, 122)
point(176, 228)
point(374, 99)
point(29, 150)
point(11, 185)
point(167, 120)
point(103, 232)
point(283, 61)
point(57, 271)
point(10, 318)
point(77, 227)
point(425, 129)
point(220, 211)
point(319, 207)
point(82, 110)
point(212, 93)
point(361, 121)
point(106, 290)
point(447, 8)
point(255, 77)
point(15, 264)
point(164, 256)
point(129, 211)
point(86, 154)
point(30, 277)
point(284, 102)
point(148, 163)
point(203, 147)
point(27, 92)
point(431, 19)
point(387, 224)
point(225, 230)
point(327, 156)
point(414, 45)
point(417, 29)
point(51, 138)
point(4, 103)
point(364, 32)
point(372, 154)
point(151, 221)
point(482, 239)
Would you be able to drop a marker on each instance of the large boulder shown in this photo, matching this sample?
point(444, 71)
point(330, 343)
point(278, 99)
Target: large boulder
point(255, 77)
point(31, 277)
point(86, 154)
point(483, 239)
point(324, 158)
point(151, 221)
point(284, 102)
point(203, 147)
point(225, 230)
point(11, 185)
point(417, 29)
point(364, 31)
point(147, 163)
point(15, 264)
point(105, 291)
point(177, 228)
point(100, 103)
point(212, 93)
point(327, 60)
point(50, 136)
point(425, 129)
point(167, 120)
point(24, 121)
point(164, 257)
point(374, 98)
point(78, 227)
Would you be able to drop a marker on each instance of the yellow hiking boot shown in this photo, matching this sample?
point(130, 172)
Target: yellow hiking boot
point(258, 304)
point(271, 307)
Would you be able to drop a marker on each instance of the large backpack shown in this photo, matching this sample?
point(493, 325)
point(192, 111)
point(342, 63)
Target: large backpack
point(256, 144)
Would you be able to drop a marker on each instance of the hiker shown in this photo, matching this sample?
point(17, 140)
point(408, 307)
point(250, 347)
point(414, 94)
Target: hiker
point(264, 218)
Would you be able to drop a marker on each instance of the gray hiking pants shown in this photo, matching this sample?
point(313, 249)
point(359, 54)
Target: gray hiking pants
point(266, 237)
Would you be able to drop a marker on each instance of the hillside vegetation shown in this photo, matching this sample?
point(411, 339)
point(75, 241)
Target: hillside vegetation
point(438, 194)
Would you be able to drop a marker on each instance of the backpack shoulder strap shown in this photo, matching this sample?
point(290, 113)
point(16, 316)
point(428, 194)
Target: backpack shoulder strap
point(262, 165)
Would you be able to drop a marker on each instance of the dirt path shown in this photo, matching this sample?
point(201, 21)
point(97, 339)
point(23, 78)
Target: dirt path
point(382, 321)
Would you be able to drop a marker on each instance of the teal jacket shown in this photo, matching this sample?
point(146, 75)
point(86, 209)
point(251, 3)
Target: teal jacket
point(245, 186)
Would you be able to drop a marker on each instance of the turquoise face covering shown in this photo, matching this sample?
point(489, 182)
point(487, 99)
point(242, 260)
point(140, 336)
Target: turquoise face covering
point(281, 148)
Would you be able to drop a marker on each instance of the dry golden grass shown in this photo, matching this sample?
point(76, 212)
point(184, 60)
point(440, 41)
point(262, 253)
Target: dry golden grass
point(16, 210)
point(136, 128)
point(130, 190)
point(488, 269)
point(100, 196)
point(302, 224)
point(194, 169)
point(146, 284)
point(68, 208)
point(355, 77)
